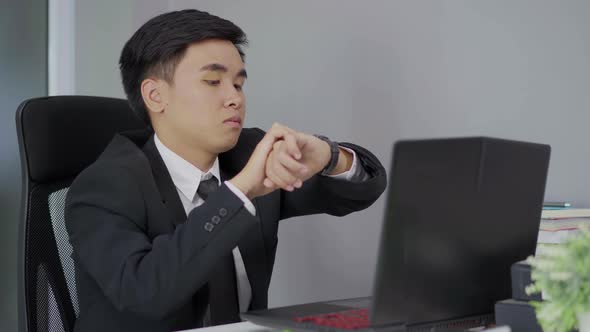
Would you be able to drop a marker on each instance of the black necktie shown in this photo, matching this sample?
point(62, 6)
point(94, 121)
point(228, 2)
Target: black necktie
point(206, 187)
point(223, 295)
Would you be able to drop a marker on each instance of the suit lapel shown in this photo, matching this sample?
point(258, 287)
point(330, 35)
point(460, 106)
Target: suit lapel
point(251, 245)
point(164, 182)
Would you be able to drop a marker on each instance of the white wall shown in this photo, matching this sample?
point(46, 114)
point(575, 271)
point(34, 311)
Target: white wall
point(61, 53)
point(23, 75)
point(376, 71)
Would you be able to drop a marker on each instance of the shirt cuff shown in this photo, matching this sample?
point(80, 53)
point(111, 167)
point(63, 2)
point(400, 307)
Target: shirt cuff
point(247, 203)
point(354, 171)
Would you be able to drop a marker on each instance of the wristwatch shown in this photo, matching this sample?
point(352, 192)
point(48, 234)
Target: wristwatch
point(335, 153)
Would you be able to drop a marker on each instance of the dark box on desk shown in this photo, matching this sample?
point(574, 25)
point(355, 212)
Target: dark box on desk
point(521, 278)
point(519, 315)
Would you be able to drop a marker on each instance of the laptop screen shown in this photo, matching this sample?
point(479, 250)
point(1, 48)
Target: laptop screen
point(460, 212)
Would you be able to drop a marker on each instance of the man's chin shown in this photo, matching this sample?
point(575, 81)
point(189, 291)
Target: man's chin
point(228, 145)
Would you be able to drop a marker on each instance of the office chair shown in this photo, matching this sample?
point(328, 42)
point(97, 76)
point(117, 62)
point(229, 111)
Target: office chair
point(58, 137)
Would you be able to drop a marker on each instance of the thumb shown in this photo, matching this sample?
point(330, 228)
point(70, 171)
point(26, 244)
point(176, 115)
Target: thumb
point(264, 148)
point(302, 139)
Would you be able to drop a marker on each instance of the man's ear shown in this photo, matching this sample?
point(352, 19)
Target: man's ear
point(153, 92)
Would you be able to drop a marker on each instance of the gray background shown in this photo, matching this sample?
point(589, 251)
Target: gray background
point(23, 74)
point(373, 72)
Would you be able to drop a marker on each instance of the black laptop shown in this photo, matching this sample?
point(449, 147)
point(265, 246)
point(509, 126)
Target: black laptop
point(459, 213)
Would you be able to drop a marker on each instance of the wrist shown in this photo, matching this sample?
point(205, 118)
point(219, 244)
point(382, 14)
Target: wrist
point(242, 186)
point(332, 155)
point(328, 156)
point(344, 163)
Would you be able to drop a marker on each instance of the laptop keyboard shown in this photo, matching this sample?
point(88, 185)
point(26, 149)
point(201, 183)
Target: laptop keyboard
point(348, 319)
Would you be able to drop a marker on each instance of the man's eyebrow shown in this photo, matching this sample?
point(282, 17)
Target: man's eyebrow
point(214, 67)
point(221, 68)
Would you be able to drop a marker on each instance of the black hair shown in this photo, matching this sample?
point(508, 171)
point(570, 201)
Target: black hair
point(157, 47)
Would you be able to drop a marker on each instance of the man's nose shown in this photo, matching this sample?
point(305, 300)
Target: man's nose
point(234, 98)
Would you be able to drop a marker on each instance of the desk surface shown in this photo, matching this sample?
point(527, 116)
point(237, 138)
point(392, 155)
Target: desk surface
point(237, 327)
point(249, 327)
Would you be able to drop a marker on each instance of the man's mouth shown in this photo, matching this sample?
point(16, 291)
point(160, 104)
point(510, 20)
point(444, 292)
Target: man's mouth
point(234, 121)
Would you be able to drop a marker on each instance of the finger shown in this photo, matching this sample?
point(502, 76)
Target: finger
point(278, 131)
point(274, 180)
point(281, 127)
point(277, 145)
point(291, 146)
point(264, 147)
point(302, 139)
point(269, 184)
point(291, 164)
point(281, 132)
point(272, 175)
point(286, 158)
point(279, 149)
point(270, 172)
point(281, 175)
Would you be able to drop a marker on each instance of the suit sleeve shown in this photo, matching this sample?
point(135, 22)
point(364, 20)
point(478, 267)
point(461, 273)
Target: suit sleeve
point(106, 220)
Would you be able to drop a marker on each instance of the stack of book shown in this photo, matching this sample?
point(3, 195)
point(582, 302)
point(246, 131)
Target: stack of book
point(558, 224)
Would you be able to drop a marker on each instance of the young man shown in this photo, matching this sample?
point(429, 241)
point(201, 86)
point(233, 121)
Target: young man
point(176, 227)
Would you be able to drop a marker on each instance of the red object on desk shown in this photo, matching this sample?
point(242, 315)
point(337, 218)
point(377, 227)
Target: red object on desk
point(349, 319)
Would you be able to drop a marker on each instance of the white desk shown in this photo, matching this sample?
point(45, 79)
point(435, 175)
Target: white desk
point(237, 327)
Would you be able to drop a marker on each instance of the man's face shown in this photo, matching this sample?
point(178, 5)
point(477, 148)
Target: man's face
point(205, 105)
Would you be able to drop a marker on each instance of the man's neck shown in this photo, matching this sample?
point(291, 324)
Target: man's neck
point(199, 158)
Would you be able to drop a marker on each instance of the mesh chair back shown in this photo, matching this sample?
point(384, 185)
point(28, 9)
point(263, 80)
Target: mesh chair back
point(58, 137)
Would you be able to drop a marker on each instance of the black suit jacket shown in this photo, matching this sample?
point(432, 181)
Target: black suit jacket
point(142, 264)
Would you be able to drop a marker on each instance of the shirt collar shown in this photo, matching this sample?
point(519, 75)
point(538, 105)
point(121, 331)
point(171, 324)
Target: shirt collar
point(186, 176)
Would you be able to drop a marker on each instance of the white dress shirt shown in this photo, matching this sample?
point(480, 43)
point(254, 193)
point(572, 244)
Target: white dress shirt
point(187, 177)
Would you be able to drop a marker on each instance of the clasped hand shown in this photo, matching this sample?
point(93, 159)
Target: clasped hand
point(284, 159)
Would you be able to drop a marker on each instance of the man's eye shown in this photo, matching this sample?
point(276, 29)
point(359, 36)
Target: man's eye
point(238, 87)
point(212, 82)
